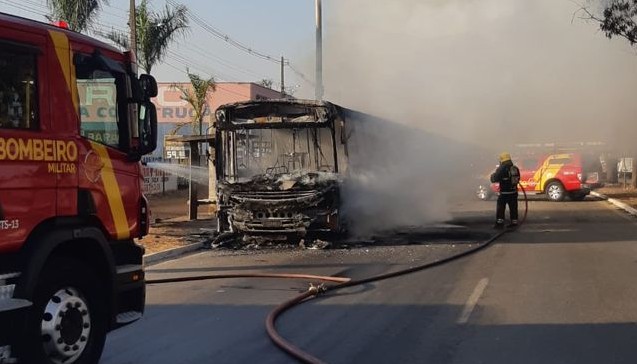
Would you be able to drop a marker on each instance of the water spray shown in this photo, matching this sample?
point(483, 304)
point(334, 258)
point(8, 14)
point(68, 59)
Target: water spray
point(199, 174)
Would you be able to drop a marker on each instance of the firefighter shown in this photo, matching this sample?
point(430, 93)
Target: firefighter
point(507, 175)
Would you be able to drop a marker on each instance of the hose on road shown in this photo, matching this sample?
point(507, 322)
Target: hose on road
point(343, 282)
point(304, 357)
point(251, 275)
point(300, 355)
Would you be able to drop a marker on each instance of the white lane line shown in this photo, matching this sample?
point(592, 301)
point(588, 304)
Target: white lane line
point(548, 230)
point(472, 301)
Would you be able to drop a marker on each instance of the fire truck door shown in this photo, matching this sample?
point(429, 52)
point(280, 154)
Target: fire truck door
point(110, 175)
point(27, 184)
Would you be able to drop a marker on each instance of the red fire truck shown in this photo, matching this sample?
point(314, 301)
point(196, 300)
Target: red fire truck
point(75, 121)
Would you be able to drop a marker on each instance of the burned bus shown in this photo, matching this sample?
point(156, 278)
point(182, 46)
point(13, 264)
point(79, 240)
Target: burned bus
point(279, 167)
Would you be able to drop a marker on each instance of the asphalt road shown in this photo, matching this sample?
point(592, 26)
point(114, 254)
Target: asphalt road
point(561, 289)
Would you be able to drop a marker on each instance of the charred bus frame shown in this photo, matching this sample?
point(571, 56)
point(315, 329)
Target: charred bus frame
point(274, 173)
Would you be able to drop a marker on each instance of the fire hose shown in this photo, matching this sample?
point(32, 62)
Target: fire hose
point(342, 282)
point(526, 204)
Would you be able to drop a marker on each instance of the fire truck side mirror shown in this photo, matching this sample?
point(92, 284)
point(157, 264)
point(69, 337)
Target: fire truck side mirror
point(148, 85)
point(147, 128)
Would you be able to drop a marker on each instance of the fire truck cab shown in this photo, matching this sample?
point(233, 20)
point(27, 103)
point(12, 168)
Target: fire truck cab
point(75, 121)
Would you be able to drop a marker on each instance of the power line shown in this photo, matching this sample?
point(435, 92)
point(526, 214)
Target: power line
point(112, 27)
point(38, 7)
point(221, 60)
point(34, 3)
point(300, 74)
point(190, 63)
point(102, 30)
point(120, 16)
point(46, 8)
point(197, 67)
point(225, 63)
point(218, 86)
point(225, 37)
point(239, 45)
point(120, 9)
point(37, 4)
point(25, 7)
point(43, 10)
point(204, 55)
point(98, 28)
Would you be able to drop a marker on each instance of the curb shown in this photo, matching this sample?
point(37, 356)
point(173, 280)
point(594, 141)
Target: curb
point(171, 253)
point(617, 203)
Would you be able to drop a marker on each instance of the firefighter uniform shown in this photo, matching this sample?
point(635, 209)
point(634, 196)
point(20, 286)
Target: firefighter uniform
point(507, 175)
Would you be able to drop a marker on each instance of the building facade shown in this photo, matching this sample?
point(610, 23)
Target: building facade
point(174, 116)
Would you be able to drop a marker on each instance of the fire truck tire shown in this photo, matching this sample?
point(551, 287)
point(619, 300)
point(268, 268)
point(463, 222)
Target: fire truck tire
point(69, 317)
point(555, 191)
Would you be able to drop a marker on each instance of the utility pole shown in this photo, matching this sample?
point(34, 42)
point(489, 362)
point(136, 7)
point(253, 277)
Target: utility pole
point(282, 77)
point(132, 24)
point(319, 52)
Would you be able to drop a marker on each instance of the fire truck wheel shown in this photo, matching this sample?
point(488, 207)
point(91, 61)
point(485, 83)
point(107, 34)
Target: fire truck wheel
point(555, 191)
point(68, 323)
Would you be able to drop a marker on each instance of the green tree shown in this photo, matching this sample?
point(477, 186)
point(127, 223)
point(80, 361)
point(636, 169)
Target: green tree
point(618, 19)
point(196, 95)
point(77, 13)
point(155, 32)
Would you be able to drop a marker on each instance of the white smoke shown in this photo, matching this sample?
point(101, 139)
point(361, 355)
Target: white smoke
point(482, 71)
point(398, 176)
point(451, 75)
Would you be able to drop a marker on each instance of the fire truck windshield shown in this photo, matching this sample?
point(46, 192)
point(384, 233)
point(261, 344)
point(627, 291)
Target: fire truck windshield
point(103, 96)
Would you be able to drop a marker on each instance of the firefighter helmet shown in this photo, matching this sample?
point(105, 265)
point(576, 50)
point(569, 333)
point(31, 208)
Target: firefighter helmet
point(505, 156)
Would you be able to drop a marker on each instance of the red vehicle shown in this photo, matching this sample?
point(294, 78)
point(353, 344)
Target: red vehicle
point(75, 121)
point(556, 175)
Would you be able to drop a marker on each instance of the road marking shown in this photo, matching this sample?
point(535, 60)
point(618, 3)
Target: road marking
point(473, 301)
point(548, 230)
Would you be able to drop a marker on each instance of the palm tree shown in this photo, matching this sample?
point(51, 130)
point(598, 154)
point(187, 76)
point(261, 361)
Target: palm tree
point(77, 13)
point(155, 32)
point(196, 95)
point(266, 82)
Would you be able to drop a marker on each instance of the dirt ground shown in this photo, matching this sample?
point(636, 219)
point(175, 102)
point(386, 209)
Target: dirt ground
point(170, 227)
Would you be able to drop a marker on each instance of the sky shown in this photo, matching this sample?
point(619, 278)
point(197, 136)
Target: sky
point(476, 70)
point(275, 27)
